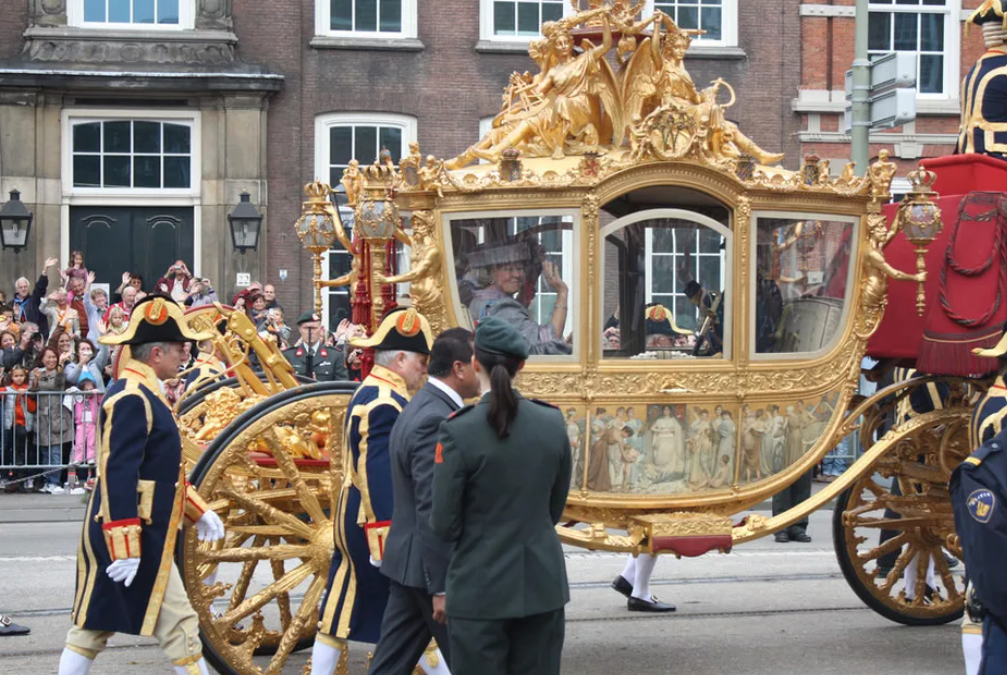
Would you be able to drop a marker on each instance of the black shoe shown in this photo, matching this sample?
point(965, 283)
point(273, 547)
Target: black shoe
point(781, 537)
point(8, 627)
point(802, 537)
point(655, 605)
point(622, 586)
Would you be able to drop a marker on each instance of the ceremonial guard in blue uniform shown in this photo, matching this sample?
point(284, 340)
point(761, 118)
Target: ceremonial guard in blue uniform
point(501, 476)
point(357, 592)
point(984, 89)
point(127, 581)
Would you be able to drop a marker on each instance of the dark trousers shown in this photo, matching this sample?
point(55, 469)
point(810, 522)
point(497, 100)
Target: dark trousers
point(406, 629)
point(532, 645)
point(994, 648)
point(791, 497)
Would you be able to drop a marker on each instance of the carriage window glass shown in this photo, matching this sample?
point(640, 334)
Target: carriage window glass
point(664, 290)
point(520, 268)
point(802, 270)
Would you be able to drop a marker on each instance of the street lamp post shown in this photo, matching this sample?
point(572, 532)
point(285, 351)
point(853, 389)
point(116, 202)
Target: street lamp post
point(15, 223)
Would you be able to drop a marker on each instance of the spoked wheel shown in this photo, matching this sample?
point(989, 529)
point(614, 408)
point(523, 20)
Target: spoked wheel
point(270, 477)
point(892, 528)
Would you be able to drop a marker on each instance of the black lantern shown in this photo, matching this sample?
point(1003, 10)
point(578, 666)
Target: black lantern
point(15, 223)
point(343, 209)
point(245, 221)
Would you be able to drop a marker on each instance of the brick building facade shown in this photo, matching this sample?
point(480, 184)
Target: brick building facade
point(934, 29)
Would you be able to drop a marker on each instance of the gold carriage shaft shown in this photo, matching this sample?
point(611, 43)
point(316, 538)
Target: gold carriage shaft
point(698, 313)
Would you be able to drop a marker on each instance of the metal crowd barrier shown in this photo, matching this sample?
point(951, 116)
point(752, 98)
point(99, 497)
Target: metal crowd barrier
point(61, 433)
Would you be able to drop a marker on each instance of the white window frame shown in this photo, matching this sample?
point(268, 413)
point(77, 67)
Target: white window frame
point(486, 24)
point(726, 268)
point(185, 118)
point(952, 43)
point(186, 19)
point(323, 123)
point(753, 286)
point(697, 255)
point(728, 29)
point(323, 23)
point(570, 272)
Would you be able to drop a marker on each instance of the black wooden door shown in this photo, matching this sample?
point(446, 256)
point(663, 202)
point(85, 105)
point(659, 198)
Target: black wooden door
point(143, 240)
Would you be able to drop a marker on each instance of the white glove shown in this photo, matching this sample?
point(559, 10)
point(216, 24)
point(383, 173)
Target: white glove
point(124, 570)
point(375, 563)
point(210, 527)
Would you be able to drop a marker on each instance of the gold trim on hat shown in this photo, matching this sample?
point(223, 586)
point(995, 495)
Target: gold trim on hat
point(660, 313)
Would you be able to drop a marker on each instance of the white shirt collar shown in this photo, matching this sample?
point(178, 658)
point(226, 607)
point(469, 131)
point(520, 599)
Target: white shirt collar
point(452, 394)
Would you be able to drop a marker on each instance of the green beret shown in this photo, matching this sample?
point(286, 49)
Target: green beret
point(308, 316)
point(496, 336)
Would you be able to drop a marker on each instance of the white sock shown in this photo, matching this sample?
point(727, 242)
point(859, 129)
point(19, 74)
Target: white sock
point(440, 667)
point(72, 663)
point(972, 647)
point(629, 571)
point(324, 658)
point(644, 568)
point(201, 664)
point(909, 577)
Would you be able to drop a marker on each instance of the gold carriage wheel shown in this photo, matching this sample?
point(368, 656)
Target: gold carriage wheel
point(906, 577)
point(257, 592)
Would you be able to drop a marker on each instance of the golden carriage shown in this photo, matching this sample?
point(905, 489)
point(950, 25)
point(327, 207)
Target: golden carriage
point(607, 190)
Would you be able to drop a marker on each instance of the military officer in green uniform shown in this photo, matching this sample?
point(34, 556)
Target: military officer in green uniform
point(311, 357)
point(127, 581)
point(501, 475)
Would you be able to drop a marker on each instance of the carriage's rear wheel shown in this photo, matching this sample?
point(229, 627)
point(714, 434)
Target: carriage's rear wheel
point(257, 592)
point(892, 528)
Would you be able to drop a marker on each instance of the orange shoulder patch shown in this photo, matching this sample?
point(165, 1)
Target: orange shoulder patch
point(439, 454)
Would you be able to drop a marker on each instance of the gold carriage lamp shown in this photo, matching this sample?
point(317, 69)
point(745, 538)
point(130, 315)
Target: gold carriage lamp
point(920, 219)
point(316, 228)
point(377, 222)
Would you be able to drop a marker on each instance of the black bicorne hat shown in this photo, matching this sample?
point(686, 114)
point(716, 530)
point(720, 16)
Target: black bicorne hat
point(156, 318)
point(402, 328)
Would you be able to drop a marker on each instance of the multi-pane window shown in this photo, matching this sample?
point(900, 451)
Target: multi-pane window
point(365, 16)
point(676, 254)
point(363, 142)
point(707, 15)
point(524, 18)
point(920, 26)
point(143, 12)
point(137, 154)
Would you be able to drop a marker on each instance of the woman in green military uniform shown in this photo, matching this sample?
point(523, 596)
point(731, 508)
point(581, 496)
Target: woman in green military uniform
point(501, 476)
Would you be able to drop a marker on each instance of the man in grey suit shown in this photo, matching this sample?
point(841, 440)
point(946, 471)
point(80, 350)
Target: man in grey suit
point(415, 559)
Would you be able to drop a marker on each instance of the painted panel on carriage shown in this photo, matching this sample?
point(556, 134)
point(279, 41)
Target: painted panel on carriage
point(521, 267)
point(803, 267)
point(775, 436)
point(661, 449)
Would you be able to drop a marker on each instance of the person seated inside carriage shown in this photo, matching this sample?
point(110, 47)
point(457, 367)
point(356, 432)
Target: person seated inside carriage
point(514, 278)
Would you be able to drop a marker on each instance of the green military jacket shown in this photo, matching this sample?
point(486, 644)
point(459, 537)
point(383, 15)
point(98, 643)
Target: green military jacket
point(499, 501)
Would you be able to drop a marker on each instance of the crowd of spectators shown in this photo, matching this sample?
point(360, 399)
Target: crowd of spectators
point(54, 369)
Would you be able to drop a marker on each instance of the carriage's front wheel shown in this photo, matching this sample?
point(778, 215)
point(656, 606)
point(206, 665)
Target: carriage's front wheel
point(257, 592)
point(892, 529)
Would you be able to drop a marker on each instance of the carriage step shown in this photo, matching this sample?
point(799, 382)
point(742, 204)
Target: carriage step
point(684, 534)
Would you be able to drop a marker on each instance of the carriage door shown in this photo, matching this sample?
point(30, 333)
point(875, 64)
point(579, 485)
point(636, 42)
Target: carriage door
point(144, 240)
